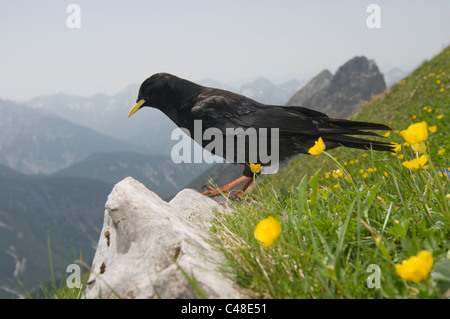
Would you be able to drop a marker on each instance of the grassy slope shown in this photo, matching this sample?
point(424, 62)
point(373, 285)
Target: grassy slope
point(378, 212)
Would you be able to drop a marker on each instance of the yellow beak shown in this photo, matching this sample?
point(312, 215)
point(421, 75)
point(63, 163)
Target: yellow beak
point(135, 107)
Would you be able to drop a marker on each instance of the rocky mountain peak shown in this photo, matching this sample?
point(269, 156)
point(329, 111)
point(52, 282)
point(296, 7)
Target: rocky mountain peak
point(317, 84)
point(344, 92)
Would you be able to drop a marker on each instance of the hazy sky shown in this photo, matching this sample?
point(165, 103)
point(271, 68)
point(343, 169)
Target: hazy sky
point(124, 42)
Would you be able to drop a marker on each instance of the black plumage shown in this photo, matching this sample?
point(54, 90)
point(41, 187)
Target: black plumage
point(184, 101)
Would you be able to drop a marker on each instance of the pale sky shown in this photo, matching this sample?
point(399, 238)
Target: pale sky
point(124, 42)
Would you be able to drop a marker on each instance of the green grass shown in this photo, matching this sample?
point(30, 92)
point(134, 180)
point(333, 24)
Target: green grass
point(58, 288)
point(377, 213)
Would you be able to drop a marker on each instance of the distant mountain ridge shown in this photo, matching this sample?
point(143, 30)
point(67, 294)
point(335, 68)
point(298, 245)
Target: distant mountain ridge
point(394, 75)
point(156, 172)
point(264, 91)
point(35, 141)
point(108, 115)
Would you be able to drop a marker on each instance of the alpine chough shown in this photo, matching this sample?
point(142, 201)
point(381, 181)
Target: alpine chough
point(297, 128)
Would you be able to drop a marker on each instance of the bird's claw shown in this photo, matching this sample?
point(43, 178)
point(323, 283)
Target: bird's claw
point(211, 192)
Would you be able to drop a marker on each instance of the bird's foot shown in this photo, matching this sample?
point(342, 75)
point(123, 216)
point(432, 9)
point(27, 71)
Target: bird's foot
point(223, 190)
point(211, 192)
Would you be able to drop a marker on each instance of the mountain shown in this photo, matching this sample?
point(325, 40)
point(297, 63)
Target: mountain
point(353, 83)
point(264, 91)
point(394, 75)
point(217, 84)
point(158, 173)
point(35, 141)
point(290, 87)
point(317, 84)
point(261, 89)
point(67, 210)
point(108, 115)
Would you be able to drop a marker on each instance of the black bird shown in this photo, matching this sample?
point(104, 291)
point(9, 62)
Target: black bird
point(298, 127)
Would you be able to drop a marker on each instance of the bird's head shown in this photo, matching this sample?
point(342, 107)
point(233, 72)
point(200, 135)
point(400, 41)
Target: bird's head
point(157, 91)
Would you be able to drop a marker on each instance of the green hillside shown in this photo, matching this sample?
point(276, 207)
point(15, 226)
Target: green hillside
point(33, 209)
point(348, 217)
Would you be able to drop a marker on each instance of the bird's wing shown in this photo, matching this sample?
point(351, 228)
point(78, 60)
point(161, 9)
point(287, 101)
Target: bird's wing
point(233, 111)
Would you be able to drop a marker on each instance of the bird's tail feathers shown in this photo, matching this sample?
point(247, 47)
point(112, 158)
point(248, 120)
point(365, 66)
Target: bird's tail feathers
point(358, 125)
point(356, 142)
point(332, 126)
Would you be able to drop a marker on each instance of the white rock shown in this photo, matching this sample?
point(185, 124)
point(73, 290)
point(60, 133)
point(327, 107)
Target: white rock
point(144, 239)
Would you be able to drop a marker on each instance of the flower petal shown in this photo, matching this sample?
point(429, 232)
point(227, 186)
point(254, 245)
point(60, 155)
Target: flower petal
point(318, 148)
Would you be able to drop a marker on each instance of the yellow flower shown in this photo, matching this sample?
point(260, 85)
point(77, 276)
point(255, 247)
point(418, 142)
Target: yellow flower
point(365, 175)
point(327, 174)
point(440, 116)
point(318, 147)
point(387, 134)
point(337, 173)
point(420, 147)
point(441, 151)
point(255, 168)
point(417, 163)
point(401, 156)
point(267, 231)
point(415, 133)
point(416, 268)
point(432, 129)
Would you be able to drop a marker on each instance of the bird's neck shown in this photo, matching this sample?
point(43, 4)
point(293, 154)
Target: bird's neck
point(178, 105)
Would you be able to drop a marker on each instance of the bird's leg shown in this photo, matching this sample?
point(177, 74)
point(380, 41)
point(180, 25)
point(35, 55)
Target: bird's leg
point(213, 191)
point(249, 182)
